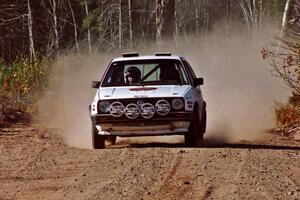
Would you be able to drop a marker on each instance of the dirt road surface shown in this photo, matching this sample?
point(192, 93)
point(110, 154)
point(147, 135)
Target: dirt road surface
point(36, 164)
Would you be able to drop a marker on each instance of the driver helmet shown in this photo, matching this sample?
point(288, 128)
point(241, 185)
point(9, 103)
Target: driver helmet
point(168, 71)
point(132, 75)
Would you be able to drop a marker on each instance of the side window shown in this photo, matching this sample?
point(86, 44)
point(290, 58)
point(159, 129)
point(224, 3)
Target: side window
point(192, 73)
point(182, 74)
point(191, 69)
point(114, 75)
point(188, 69)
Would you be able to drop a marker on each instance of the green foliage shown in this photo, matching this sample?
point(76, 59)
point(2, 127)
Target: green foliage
point(91, 20)
point(21, 81)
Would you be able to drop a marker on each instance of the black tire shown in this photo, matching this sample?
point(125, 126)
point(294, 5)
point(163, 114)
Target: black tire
point(98, 141)
point(203, 122)
point(194, 137)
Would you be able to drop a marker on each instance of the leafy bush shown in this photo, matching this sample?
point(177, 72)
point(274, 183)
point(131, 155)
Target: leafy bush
point(286, 114)
point(20, 83)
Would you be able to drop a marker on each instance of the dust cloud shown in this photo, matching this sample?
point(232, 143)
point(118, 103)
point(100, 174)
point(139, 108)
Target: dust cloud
point(65, 104)
point(239, 89)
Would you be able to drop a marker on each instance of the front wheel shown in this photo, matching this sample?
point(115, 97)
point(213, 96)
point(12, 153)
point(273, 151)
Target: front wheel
point(194, 136)
point(203, 122)
point(98, 141)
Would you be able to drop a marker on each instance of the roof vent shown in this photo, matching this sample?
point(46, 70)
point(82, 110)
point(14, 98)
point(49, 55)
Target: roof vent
point(163, 54)
point(131, 54)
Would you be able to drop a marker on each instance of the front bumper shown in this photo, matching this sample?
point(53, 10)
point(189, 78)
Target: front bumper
point(172, 124)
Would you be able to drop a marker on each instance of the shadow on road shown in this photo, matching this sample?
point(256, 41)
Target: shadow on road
point(212, 145)
point(255, 146)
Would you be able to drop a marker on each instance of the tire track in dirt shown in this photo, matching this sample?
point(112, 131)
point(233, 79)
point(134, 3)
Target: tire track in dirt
point(184, 179)
point(169, 184)
point(86, 182)
point(110, 178)
point(231, 188)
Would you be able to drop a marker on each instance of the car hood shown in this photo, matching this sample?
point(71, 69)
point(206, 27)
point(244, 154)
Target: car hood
point(143, 91)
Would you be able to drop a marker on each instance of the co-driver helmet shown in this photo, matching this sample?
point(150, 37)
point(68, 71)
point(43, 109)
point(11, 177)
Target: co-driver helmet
point(132, 75)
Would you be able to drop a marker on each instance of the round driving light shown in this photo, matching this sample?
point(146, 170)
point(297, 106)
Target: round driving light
point(162, 107)
point(132, 111)
point(116, 109)
point(177, 104)
point(147, 110)
point(104, 106)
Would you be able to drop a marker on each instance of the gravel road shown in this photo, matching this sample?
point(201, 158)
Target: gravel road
point(36, 163)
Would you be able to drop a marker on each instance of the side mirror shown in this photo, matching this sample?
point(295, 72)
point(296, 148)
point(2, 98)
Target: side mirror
point(96, 84)
point(198, 81)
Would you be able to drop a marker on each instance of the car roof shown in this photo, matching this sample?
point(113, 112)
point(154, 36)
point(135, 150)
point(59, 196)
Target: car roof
point(147, 57)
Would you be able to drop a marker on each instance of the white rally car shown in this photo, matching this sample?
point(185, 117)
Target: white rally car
point(148, 96)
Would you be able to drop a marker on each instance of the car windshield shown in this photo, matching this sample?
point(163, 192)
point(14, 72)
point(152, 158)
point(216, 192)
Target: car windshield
point(145, 72)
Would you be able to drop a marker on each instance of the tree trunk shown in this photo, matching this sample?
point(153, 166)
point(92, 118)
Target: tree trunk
point(147, 17)
point(228, 18)
point(55, 25)
point(254, 15)
point(284, 23)
point(249, 12)
point(120, 24)
point(9, 50)
point(88, 31)
point(31, 43)
point(206, 18)
point(245, 14)
point(75, 26)
point(197, 17)
point(130, 23)
point(2, 49)
point(177, 34)
point(165, 19)
point(285, 18)
point(260, 14)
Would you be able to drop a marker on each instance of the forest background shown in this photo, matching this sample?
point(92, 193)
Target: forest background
point(33, 34)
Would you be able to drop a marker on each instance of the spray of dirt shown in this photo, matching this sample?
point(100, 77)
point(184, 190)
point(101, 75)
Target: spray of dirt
point(239, 88)
point(65, 104)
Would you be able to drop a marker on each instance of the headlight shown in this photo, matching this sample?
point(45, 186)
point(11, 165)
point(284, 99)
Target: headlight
point(132, 111)
point(147, 110)
point(116, 109)
point(162, 107)
point(104, 106)
point(177, 104)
